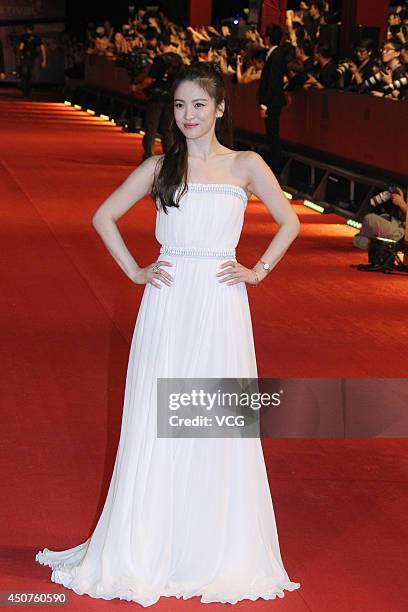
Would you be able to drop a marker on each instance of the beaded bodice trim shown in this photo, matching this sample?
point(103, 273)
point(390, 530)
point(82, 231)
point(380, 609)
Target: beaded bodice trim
point(227, 188)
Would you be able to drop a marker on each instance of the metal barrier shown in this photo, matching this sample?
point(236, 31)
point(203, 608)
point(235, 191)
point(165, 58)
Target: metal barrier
point(319, 122)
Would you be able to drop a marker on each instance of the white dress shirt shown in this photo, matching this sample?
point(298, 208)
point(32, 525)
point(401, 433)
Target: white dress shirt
point(266, 59)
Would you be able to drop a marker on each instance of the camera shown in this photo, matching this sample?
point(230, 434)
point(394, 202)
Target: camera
point(395, 29)
point(343, 67)
point(398, 84)
point(135, 62)
point(169, 66)
point(383, 196)
point(375, 79)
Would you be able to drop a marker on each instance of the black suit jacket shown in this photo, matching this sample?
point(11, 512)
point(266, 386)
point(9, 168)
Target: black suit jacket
point(270, 90)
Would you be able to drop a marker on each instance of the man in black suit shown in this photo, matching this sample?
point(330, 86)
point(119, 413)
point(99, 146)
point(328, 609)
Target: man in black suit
point(270, 95)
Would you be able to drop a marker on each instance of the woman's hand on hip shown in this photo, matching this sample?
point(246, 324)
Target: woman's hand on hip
point(233, 272)
point(154, 274)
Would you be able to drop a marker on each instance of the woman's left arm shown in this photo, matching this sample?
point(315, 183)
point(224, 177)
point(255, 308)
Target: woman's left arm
point(263, 184)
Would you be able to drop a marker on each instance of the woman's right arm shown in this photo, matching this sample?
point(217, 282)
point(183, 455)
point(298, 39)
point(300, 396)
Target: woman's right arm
point(136, 186)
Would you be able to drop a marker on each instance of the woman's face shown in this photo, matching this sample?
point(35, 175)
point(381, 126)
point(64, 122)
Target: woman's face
point(195, 111)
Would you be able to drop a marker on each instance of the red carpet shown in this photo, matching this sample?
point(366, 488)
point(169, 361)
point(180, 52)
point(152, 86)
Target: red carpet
point(67, 317)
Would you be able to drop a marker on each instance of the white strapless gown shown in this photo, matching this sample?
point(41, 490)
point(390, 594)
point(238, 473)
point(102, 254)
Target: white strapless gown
point(184, 517)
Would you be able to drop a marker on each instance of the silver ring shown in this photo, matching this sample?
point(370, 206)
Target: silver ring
point(155, 269)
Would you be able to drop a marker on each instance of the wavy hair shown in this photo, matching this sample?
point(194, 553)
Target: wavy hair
point(170, 179)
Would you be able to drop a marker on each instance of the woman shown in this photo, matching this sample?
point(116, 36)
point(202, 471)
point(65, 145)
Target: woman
point(189, 516)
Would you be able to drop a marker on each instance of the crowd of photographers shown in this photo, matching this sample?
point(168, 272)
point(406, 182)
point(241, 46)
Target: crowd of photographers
point(310, 45)
point(153, 49)
point(313, 31)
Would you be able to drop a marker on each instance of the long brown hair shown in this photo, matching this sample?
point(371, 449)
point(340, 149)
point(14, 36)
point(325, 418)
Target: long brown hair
point(171, 172)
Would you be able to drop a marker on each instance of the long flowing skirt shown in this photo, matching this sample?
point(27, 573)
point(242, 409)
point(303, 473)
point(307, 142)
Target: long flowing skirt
point(183, 516)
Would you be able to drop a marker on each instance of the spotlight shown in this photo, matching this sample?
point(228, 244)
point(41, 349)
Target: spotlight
point(288, 195)
point(105, 117)
point(67, 103)
point(313, 206)
point(90, 111)
point(77, 106)
point(353, 223)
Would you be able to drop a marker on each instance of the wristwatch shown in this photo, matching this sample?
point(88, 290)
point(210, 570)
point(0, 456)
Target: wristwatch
point(265, 265)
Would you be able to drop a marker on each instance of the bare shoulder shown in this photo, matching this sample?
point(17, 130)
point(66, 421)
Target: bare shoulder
point(155, 159)
point(152, 164)
point(261, 182)
point(248, 162)
point(135, 187)
point(145, 172)
point(259, 178)
point(249, 159)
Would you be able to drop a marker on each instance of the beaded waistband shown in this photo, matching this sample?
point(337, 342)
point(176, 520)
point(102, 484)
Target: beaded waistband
point(165, 249)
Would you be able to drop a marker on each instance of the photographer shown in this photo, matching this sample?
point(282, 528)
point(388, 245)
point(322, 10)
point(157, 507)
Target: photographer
point(220, 53)
point(394, 70)
point(362, 68)
point(122, 46)
point(151, 36)
point(28, 48)
point(295, 76)
point(397, 88)
point(102, 41)
point(162, 74)
point(304, 53)
point(254, 71)
point(395, 27)
point(326, 71)
point(313, 19)
point(388, 220)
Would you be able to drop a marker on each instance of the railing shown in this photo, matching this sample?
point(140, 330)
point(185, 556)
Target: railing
point(348, 128)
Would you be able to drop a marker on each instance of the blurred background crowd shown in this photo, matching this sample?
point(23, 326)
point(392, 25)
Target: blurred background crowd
point(309, 43)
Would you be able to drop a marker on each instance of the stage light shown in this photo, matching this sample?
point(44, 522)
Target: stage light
point(105, 117)
point(313, 206)
point(67, 103)
point(113, 121)
point(353, 223)
point(141, 132)
point(77, 106)
point(90, 111)
point(288, 195)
